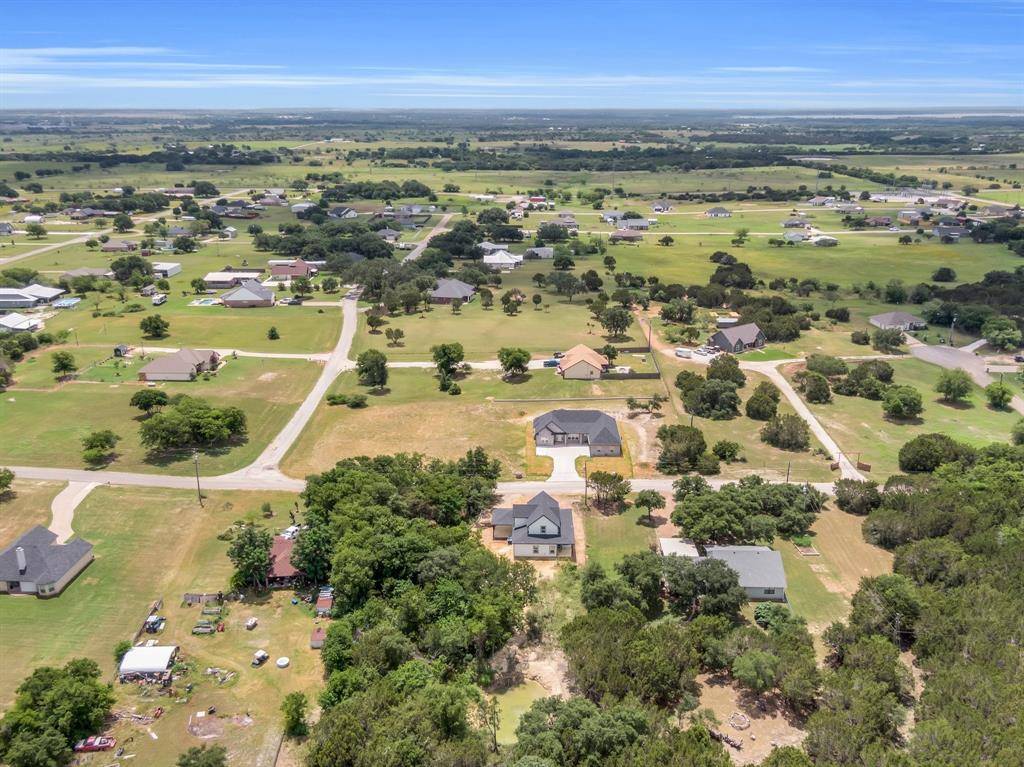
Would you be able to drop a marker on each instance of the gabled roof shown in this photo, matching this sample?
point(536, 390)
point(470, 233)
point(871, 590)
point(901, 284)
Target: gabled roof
point(16, 321)
point(501, 257)
point(746, 334)
point(181, 361)
point(718, 210)
point(46, 561)
point(522, 515)
point(43, 292)
point(582, 353)
point(452, 288)
point(543, 252)
point(757, 566)
point(281, 558)
point(250, 290)
point(599, 427)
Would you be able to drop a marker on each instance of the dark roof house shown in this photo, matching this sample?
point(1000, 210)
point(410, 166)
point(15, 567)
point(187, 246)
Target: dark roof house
point(759, 568)
point(567, 427)
point(539, 528)
point(37, 564)
point(249, 294)
point(739, 338)
point(449, 290)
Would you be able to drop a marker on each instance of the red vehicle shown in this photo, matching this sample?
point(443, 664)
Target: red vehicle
point(95, 743)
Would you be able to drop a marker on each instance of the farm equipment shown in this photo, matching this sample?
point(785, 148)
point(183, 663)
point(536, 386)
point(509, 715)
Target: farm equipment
point(260, 657)
point(203, 627)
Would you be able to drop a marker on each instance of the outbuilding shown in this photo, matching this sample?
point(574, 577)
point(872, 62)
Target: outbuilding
point(147, 662)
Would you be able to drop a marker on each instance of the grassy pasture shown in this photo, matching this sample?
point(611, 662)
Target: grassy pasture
point(413, 416)
point(860, 428)
point(155, 544)
point(44, 428)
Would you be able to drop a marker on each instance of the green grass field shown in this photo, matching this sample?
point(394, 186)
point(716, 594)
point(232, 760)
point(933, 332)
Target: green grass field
point(611, 536)
point(150, 545)
point(24, 505)
point(860, 428)
point(44, 428)
point(413, 416)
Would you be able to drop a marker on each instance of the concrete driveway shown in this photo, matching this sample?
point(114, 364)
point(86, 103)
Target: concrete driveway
point(565, 462)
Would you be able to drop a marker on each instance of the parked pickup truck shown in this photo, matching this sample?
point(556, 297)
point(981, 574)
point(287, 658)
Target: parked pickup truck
point(550, 363)
point(203, 627)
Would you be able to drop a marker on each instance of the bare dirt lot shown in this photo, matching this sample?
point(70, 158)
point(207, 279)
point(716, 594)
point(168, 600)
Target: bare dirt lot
point(769, 726)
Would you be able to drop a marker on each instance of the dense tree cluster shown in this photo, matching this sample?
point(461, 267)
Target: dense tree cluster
point(747, 511)
point(54, 708)
point(191, 422)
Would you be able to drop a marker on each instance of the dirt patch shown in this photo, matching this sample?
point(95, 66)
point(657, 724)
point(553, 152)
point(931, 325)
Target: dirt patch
point(267, 377)
point(546, 568)
point(770, 724)
point(520, 660)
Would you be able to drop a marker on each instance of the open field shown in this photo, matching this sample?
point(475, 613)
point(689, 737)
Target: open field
point(45, 427)
point(611, 536)
point(760, 458)
point(861, 430)
point(155, 545)
point(857, 259)
point(413, 416)
point(25, 505)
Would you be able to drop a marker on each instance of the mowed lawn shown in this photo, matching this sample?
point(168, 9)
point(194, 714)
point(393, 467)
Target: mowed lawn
point(413, 416)
point(611, 536)
point(45, 428)
point(24, 505)
point(859, 258)
point(760, 457)
point(556, 326)
point(156, 544)
point(304, 329)
point(860, 428)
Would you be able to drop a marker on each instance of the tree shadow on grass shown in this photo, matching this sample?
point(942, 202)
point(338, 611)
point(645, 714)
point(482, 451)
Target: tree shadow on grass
point(653, 521)
point(963, 404)
point(379, 391)
point(895, 421)
point(519, 378)
point(170, 457)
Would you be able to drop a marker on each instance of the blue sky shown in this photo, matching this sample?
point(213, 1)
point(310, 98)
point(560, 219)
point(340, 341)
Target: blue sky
point(683, 55)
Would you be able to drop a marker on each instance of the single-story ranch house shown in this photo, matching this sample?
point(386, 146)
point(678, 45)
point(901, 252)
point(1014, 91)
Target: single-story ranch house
point(182, 365)
point(282, 571)
point(759, 568)
point(566, 428)
point(19, 323)
point(37, 564)
point(537, 529)
point(718, 212)
point(626, 235)
point(449, 290)
point(28, 297)
point(739, 338)
point(247, 295)
point(900, 320)
point(582, 362)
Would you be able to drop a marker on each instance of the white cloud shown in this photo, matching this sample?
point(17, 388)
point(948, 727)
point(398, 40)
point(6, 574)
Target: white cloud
point(770, 70)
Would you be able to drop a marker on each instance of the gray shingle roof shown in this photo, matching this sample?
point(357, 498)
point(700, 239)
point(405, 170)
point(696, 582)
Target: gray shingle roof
point(46, 561)
point(522, 515)
point(746, 334)
point(599, 427)
point(452, 289)
point(757, 566)
point(249, 290)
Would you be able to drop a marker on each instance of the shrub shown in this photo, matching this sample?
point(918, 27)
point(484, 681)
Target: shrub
point(998, 395)
point(827, 366)
point(727, 450)
point(953, 385)
point(715, 399)
point(816, 389)
point(681, 447)
point(764, 402)
point(356, 401)
point(725, 367)
point(839, 314)
point(887, 339)
point(902, 402)
point(860, 337)
point(337, 399)
point(857, 496)
point(708, 464)
point(454, 389)
point(944, 274)
point(929, 451)
point(787, 432)
point(1017, 433)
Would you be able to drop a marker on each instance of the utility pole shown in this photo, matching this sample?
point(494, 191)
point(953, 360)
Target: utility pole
point(789, 466)
point(199, 492)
